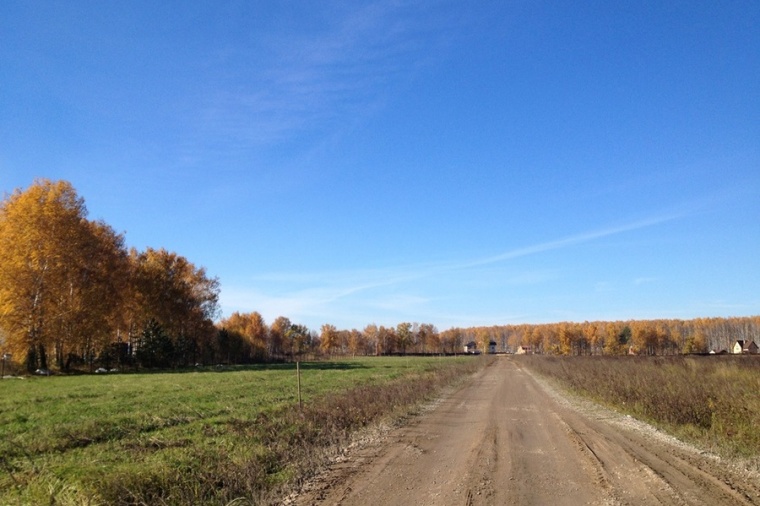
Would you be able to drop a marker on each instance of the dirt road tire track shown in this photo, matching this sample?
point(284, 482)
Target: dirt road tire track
point(507, 437)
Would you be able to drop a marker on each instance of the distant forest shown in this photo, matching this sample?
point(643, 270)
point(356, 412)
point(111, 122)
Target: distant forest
point(640, 337)
point(74, 297)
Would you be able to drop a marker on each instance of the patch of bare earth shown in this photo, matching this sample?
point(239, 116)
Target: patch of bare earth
point(507, 437)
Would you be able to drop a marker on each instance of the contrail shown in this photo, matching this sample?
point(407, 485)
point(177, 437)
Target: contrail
point(341, 285)
point(567, 241)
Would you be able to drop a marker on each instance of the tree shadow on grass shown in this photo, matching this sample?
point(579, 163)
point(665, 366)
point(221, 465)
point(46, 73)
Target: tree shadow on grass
point(278, 366)
point(291, 366)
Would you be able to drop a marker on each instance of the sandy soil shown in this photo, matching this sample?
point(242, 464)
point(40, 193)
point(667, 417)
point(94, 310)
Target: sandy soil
point(507, 437)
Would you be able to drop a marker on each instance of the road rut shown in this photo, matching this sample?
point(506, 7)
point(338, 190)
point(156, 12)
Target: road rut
point(507, 437)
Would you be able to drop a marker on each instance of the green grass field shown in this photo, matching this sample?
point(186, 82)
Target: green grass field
point(195, 437)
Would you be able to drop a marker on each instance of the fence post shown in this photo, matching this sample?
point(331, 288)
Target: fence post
point(298, 374)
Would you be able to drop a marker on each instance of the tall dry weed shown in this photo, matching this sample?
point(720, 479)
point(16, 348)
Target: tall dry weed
point(711, 400)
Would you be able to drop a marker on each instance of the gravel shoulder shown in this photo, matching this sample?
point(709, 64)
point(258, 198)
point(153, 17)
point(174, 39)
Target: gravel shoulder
point(508, 437)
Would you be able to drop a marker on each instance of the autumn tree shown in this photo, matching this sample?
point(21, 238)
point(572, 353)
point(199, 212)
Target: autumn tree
point(59, 274)
point(277, 336)
point(483, 338)
point(452, 340)
point(643, 338)
point(386, 340)
point(90, 309)
point(344, 336)
point(611, 340)
point(328, 338)
point(251, 328)
point(591, 337)
point(257, 332)
point(357, 343)
point(297, 337)
point(168, 288)
point(695, 343)
point(429, 338)
point(69, 288)
point(566, 338)
point(404, 335)
point(370, 333)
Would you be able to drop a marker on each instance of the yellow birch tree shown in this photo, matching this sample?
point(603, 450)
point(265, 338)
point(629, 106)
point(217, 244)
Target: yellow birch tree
point(48, 269)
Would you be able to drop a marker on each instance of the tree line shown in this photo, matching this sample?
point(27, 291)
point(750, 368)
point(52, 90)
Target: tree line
point(250, 338)
point(72, 295)
point(639, 337)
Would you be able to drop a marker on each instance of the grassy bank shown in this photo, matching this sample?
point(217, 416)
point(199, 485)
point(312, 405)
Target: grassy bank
point(713, 401)
point(202, 437)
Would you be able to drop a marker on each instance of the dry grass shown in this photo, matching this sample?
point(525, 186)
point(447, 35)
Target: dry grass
point(711, 401)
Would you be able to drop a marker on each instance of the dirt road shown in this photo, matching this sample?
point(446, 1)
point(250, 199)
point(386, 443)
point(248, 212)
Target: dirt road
point(506, 437)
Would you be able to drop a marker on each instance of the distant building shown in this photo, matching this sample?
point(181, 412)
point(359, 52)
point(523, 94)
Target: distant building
point(471, 347)
point(492, 347)
point(524, 350)
point(742, 346)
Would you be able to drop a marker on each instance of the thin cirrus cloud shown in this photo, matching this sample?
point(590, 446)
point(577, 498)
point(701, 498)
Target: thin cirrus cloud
point(338, 294)
point(572, 240)
point(308, 81)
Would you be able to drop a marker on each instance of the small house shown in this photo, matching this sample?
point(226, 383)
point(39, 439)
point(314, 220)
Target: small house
point(742, 346)
point(524, 350)
point(471, 347)
point(492, 347)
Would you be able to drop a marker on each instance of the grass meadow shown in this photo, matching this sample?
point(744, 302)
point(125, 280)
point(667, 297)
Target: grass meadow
point(712, 401)
point(207, 436)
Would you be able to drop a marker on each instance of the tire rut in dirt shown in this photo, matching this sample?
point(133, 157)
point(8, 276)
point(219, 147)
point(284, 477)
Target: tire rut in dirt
point(509, 438)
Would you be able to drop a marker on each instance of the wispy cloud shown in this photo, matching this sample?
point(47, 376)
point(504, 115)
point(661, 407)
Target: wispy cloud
point(395, 290)
point(304, 81)
point(572, 240)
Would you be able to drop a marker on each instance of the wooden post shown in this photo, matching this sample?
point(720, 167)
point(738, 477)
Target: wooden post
point(298, 374)
point(6, 357)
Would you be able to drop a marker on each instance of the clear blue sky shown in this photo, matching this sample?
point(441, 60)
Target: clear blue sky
point(454, 163)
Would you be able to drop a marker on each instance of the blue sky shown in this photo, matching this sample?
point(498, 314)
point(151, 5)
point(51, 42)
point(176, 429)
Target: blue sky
point(454, 163)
